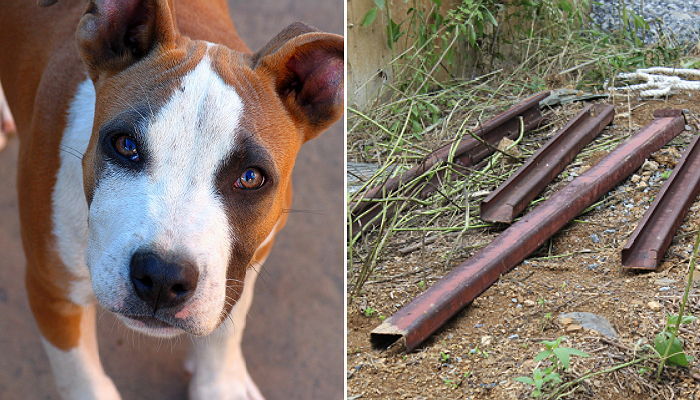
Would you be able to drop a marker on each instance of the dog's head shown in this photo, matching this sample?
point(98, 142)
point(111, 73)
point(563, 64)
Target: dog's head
point(188, 169)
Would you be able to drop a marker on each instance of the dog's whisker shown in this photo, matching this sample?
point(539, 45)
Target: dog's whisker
point(295, 211)
point(66, 151)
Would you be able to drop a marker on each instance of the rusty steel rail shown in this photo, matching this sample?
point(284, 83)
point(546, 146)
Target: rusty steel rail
point(646, 247)
point(513, 196)
point(415, 322)
point(469, 152)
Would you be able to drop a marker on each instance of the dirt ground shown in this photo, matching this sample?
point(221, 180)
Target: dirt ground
point(300, 289)
point(479, 352)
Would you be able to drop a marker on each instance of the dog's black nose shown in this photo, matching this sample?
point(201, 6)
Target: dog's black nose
point(162, 283)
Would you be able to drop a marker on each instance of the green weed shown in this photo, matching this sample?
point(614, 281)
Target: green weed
point(546, 380)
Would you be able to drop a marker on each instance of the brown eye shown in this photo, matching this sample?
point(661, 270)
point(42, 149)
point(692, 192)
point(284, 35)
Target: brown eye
point(250, 179)
point(125, 146)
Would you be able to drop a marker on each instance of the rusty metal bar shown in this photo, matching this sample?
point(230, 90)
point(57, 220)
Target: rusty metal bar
point(646, 247)
point(468, 153)
point(513, 196)
point(415, 322)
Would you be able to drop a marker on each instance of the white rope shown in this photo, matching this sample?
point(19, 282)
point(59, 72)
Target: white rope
point(659, 81)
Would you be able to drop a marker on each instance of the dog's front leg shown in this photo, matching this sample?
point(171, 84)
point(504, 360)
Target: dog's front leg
point(68, 336)
point(217, 364)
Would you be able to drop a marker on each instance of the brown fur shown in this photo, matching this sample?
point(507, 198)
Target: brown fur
point(46, 66)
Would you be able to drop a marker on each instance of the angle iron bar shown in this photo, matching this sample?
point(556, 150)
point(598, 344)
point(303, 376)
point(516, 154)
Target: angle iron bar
point(514, 195)
point(646, 247)
point(416, 321)
point(468, 152)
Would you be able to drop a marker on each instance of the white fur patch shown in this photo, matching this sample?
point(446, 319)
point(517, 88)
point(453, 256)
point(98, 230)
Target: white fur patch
point(68, 198)
point(217, 362)
point(78, 372)
point(172, 205)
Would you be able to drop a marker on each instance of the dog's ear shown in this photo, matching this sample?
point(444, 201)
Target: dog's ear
point(114, 34)
point(307, 70)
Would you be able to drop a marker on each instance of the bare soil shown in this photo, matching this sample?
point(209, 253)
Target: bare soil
point(479, 352)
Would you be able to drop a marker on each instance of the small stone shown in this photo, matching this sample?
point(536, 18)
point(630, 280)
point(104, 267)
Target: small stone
point(514, 300)
point(664, 281)
point(636, 178)
point(664, 289)
point(654, 305)
point(514, 336)
point(643, 184)
point(573, 328)
point(529, 303)
point(595, 238)
point(486, 340)
point(650, 165)
point(566, 321)
point(508, 146)
point(588, 321)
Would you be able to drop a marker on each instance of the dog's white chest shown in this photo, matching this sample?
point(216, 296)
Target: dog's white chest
point(70, 209)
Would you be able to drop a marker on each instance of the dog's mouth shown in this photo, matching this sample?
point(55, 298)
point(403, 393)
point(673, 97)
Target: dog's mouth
point(150, 325)
point(150, 322)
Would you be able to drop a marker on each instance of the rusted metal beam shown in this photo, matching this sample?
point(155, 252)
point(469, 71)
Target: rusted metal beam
point(513, 196)
point(469, 151)
point(646, 247)
point(415, 322)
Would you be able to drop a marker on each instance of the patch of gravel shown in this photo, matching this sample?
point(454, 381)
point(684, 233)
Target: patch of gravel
point(679, 19)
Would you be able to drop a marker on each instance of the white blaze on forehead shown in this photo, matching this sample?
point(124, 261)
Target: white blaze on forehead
point(172, 206)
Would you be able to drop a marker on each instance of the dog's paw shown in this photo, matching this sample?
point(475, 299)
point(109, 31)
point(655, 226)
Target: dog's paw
point(225, 388)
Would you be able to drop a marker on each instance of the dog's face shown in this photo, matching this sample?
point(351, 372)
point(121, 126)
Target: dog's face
point(188, 169)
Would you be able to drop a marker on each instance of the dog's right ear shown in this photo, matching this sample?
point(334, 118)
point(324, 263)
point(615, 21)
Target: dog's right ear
point(114, 34)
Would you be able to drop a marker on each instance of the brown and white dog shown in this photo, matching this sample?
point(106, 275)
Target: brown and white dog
point(155, 163)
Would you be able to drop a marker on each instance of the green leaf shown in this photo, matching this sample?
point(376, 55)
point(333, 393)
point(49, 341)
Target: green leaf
point(471, 35)
point(525, 379)
point(678, 357)
point(369, 17)
point(393, 33)
point(639, 22)
point(379, 3)
point(543, 355)
point(672, 319)
point(564, 354)
point(490, 18)
point(565, 6)
point(553, 377)
point(576, 352)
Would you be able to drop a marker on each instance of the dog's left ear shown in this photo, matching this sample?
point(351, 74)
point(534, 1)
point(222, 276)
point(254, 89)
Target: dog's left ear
point(307, 70)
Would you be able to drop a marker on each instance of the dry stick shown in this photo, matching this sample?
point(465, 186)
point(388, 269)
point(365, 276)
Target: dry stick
point(558, 393)
point(415, 246)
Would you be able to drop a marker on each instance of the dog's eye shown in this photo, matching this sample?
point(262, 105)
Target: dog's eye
point(251, 179)
point(126, 147)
